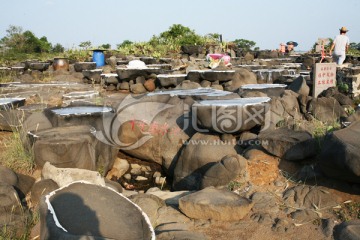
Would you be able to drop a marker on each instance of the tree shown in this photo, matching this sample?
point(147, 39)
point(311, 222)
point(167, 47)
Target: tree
point(85, 45)
point(244, 44)
point(58, 48)
point(177, 34)
point(124, 43)
point(105, 46)
point(14, 38)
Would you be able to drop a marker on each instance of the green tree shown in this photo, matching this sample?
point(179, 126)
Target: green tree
point(244, 44)
point(85, 45)
point(124, 43)
point(58, 48)
point(105, 46)
point(14, 39)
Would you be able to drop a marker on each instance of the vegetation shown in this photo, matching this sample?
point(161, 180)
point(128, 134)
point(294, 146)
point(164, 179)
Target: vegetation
point(15, 156)
point(245, 45)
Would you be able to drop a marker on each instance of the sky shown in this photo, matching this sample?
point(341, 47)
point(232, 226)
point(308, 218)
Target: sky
point(266, 22)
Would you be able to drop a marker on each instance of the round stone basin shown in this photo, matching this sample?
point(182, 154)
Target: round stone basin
point(171, 80)
point(271, 90)
point(80, 66)
point(231, 115)
point(132, 73)
point(268, 75)
point(82, 210)
point(81, 95)
point(10, 103)
point(39, 66)
point(217, 75)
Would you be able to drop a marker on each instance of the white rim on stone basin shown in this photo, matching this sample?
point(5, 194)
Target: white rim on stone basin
point(4, 101)
point(262, 86)
point(83, 94)
point(108, 75)
point(81, 110)
point(192, 92)
point(234, 102)
point(171, 75)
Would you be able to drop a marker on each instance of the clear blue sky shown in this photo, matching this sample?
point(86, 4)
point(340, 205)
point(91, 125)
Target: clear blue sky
point(267, 22)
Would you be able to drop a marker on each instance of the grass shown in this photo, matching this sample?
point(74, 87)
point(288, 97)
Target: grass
point(348, 211)
point(15, 156)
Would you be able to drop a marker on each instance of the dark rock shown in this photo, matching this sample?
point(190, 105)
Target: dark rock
point(191, 168)
point(150, 204)
point(299, 86)
point(347, 230)
point(192, 49)
point(106, 213)
point(42, 188)
point(8, 176)
point(327, 110)
point(140, 79)
point(215, 204)
point(24, 184)
point(12, 214)
point(288, 144)
point(340, 155)
point(308, 197)
point(327, 226)
point(137, 88)
point(188, 85)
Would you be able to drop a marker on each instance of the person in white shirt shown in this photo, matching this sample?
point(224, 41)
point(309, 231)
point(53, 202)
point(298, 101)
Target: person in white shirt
point(340, 46)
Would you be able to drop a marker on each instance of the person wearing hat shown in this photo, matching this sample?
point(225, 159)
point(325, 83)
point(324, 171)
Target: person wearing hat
point(340, 46)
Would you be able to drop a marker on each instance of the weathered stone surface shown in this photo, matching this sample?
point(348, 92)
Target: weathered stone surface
point(170, 198)
point(80, 66)
point(197, 159)
point(326, 109)
point(221, 173)
point(8, 176)
point(73, 146)
point(340, 155)
point(42, 188)
point(186, 84)
point(308, 197)
point(150, 204)
point(106, 213)
point(12, 214)
point(288, 144)
point(299, 86)
point(166, 129)
point(349, 230)
point(241, 77)
point(137, 88)
point(215, 204)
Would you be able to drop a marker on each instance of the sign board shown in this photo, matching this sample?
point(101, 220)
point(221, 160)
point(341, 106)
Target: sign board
point(324, 77)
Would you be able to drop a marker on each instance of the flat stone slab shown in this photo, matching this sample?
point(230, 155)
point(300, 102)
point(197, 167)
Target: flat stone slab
point(271, 90)
point(215, 204)
point(40, 66)
point(231, 115)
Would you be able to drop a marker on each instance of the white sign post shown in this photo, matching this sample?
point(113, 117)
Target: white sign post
point(324, 77)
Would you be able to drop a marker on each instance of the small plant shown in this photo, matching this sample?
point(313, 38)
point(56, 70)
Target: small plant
point(233, 185)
